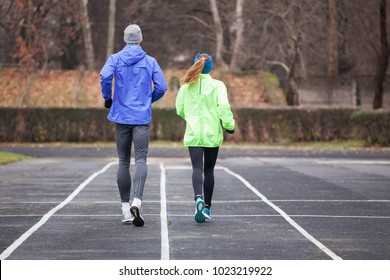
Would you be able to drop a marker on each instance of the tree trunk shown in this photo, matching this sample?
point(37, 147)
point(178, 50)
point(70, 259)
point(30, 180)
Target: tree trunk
point(29, 24)
point(333, 52)
point(292, 96)
point(239, 32)
point(27, 89)
point(219, 34)
point(86, 26)
point(111, 28)
point(77, 100)
point(383, 59)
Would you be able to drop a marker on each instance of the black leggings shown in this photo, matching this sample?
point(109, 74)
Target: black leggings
point(207, 185)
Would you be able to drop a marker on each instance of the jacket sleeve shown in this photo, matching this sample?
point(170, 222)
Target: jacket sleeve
point(160, 84)
point(106, 75)
point(180, 103)
point(224, 110)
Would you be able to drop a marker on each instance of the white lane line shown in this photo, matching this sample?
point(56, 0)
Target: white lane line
point(275, 215)
point(163, 215)
point(7, 252)
point(30, 202)
point(214, 215)
point(368, 162)
point(332, 200)
point(216, 201)
point(338, 216)
point(322, 247)
point(187, 167)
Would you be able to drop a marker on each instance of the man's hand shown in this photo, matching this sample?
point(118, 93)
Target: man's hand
point(108, 103)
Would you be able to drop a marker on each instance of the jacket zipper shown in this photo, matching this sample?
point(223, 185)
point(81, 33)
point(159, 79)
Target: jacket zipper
point(201, 117)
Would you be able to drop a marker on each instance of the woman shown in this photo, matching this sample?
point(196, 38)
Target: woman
point(203, 103)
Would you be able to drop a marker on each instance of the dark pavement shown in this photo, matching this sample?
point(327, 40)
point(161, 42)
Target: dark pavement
point(275, 204)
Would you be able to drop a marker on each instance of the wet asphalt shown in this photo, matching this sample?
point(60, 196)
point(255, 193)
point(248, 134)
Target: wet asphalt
point(339, 199)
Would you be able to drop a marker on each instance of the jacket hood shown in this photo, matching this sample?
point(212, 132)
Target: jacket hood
point(131, 54)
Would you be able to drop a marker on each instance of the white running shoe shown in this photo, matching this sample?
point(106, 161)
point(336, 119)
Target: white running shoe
point(136, 210)
point(127, 217)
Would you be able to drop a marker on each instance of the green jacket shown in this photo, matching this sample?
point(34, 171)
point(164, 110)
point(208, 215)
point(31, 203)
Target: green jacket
point(203, 105)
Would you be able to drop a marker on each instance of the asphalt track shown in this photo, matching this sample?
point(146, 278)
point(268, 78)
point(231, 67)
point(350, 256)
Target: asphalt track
point(268, 204)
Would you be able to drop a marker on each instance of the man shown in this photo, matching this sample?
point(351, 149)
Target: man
point(130, 109)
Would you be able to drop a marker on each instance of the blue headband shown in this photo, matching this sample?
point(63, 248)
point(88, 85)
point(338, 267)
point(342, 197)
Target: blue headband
point(208, 65)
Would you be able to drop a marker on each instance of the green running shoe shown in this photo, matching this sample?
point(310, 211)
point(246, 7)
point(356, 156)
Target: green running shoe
point(207, 213)
point(199, 206)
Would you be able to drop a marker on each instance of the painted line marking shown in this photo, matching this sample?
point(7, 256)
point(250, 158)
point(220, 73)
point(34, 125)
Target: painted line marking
point(321, 246)
point(163, 215)
point(274, 215)
point(214, 215)
point(187, 167)
point(7, 252)
point(332, 200)
point(368, 162)
point(216, 201)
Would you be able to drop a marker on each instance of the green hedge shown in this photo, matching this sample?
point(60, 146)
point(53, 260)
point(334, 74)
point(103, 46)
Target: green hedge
point(252, 125)
point(372, 126)
point(278, 125)
point(76, 125)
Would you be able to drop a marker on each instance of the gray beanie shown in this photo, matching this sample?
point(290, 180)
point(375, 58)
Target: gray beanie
point(133, 34)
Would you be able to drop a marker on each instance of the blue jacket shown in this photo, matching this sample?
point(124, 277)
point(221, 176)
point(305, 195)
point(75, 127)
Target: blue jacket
point(133, 71)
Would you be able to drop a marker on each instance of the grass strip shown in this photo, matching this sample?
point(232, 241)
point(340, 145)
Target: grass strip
point(6, 157)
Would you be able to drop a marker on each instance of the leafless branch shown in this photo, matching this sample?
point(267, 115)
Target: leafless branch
point(198, 20)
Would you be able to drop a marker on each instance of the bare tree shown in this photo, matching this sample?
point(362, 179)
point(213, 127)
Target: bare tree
point(30, 49)
point(370, 50)
point(333, 53)
point(38, 30)
point(333, 34)
point(6, 9)
point(239, 38)
point(86, 26)
point(288, 19)
point(283, 37)
point(383, 56)
point(111, 28)
point(219, 34)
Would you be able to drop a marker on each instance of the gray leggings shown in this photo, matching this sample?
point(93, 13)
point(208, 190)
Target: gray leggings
point(125, 135)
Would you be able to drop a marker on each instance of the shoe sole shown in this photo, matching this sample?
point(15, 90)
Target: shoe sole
point(138, 221)
point(199, 217)
point(208, 217)
point(127, 221)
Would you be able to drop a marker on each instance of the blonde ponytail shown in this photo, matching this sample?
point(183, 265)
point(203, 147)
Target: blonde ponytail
point(193, 73)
